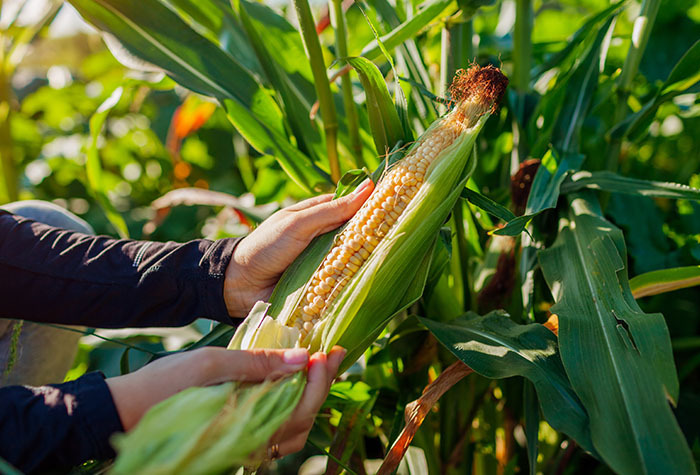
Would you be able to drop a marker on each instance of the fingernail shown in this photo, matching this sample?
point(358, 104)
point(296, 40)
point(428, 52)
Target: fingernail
point(295, 356)
point(361, 186)
point(317, 358)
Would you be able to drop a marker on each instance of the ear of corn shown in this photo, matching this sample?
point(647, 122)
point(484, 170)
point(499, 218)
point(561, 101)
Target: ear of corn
point(342, 290)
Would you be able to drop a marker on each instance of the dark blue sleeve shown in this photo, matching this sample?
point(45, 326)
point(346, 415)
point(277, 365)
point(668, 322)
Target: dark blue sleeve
point(57, 426)
point(52, 275)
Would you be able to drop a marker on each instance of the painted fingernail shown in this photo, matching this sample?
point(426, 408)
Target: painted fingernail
point(295, 356)
point(317, 358)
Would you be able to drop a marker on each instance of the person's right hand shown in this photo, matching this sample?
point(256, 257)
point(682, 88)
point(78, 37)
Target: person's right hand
point(262, 256)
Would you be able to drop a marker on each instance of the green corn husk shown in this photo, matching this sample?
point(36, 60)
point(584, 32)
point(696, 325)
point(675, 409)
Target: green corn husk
point(214, 429)
point(208, 430)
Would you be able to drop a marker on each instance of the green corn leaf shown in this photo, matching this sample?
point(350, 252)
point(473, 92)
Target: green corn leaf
point(413, 60)
point(618, 359)
point(409, 52)
point(685, 73)
point(220, 335)
point(580, 86)
point(544, 192)
point(409, 28)
point(496, 347)
point(215, 20)
point(488, 205)
point(614, 183)
point(150, 31)
point(349, 181)
point(277, 45)
point(683, 76)
point(562, 58)
point(385, 124)
point(565, 107)
point(665, 280)
point(352, 425)
point(153, 32)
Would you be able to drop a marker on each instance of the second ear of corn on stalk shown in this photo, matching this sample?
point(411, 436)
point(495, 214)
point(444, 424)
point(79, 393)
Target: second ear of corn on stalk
point(342, 290)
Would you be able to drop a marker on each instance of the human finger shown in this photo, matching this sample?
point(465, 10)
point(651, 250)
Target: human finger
point(253, 365)
point(329, 215)
point(335, 359)
point(292, 445)
point(322, 370)
point(302, 205)
point(316, 389)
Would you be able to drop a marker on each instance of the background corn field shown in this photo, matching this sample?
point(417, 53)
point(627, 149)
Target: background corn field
point(563, 279)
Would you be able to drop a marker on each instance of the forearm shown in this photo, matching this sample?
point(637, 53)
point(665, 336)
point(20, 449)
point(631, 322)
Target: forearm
point(57, 426)
point(52, 275)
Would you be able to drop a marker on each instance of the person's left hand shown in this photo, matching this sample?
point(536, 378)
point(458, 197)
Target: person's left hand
point(262, 256)
point(135, 393)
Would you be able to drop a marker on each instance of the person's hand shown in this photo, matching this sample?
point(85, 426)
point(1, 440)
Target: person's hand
point(262, 256)
point(291, 437)
point(136, 392)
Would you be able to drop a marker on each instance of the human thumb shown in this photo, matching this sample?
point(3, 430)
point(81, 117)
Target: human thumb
point(258, 365)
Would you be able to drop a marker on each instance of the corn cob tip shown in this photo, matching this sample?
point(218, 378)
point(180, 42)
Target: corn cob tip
point(476, 92)
point(480, 86)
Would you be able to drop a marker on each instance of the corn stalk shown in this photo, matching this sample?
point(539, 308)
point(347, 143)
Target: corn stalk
point(352, 120)
point(323, 87)
point(643, 25)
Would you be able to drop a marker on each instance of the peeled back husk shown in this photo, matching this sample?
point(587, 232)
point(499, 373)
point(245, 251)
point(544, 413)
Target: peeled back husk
point(208, 430)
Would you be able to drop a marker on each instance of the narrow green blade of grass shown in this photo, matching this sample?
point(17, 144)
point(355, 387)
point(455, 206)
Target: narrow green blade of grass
point(618, 359)
point(665, 280)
